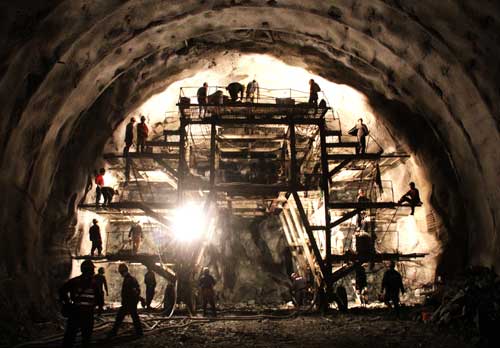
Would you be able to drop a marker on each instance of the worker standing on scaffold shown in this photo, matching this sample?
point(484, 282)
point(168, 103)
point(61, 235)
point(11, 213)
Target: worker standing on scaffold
point(135, 236)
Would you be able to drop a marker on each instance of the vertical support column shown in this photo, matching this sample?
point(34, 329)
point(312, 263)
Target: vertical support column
point(293, 158)
point(181, 169)
point(213, 133)
point(326, 197)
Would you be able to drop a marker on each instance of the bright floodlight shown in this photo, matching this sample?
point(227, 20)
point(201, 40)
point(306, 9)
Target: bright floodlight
point(189, 222)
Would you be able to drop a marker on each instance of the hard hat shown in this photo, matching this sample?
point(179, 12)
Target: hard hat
point(87, 266)
point(205, 270)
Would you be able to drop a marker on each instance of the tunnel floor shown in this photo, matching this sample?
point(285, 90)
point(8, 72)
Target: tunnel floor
point(357, 328)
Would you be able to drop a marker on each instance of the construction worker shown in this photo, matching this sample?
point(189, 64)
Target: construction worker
point(362, 198)
point(150, 281)
point(314, 89)
point(99, 181)
point(135, 236)
point(78, 307)
point(412, 197)
point(131, 293)
point(129, 136)
point(107, 194)
point(361, 284)
point(235, 88)
point(392, 283)
point(102, 285)
point(202, 96)
point(361, 133)
point(299, 288)
point(206, 283)
point(252, 91)
point(95, 238)
point(142, 134)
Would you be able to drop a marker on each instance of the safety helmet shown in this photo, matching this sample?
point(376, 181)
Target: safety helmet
point(87, 266)
point(205, 270)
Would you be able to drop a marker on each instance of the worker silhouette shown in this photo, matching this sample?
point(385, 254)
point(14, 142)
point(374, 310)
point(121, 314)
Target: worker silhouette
point(135, 236)
point(253, 91)
point(392, 284)
point(95, 238)
point(235, 89)
point(129, 136)
point(150, 281)
point(361, 133)
point(206, 283)
point(314, 89)
point(131, 293)
point(79, 306)
point(142, 135)
point(202, 96)
point(412, 197)
point(102, 285)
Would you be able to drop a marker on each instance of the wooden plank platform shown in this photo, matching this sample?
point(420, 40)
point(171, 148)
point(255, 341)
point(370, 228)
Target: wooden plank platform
point(365, 156)
point(346, 144)
point(376, 257)
point(130, 205)
point(163, 143)
point(139, 155)
point(361, 206)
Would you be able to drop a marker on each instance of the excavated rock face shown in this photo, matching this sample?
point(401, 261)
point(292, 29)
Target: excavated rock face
point(71, 71)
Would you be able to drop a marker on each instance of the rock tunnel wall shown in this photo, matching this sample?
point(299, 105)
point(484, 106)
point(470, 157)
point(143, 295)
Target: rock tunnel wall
point(71, 70)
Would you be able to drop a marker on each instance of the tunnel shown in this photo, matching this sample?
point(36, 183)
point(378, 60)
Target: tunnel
point(74, 72)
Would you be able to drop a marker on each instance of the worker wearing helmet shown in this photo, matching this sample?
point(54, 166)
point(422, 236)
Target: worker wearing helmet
point(142, 134)
point(135, 236)
point(95, 238)
point(79, 306)
point(131, 294)
point(206, 283)
point(129, 136)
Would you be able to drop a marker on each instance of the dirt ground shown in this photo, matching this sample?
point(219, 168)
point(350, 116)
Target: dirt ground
point(373, 328)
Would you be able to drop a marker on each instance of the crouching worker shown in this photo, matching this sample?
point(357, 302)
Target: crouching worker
point(131, 292)
point(79, 306)
point(206, 284)
point(412, 197)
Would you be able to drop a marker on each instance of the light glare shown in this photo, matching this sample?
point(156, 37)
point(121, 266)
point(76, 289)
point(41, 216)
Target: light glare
point(189, 222)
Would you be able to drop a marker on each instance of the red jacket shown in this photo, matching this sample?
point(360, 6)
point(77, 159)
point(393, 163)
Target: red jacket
point(142, 131)
point(99, 180)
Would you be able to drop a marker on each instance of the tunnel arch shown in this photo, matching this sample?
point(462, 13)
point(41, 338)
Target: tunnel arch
point(71, 79)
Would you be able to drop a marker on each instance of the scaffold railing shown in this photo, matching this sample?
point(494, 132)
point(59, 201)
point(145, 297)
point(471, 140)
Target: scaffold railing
point(263, 96)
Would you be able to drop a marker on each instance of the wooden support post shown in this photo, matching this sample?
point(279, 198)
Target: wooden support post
point(298, 237)
point(213, 133)
point(312, 240)
point(326, 198)
point(293, 158)
point(181, 169)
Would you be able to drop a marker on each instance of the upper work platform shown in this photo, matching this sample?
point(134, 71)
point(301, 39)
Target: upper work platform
point(278, 105)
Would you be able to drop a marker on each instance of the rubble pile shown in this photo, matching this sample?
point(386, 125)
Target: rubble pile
point(472, 304)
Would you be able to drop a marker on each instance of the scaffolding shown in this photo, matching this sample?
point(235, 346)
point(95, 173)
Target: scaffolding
point(279, 155)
